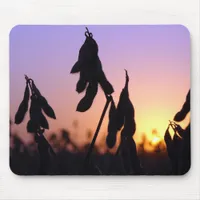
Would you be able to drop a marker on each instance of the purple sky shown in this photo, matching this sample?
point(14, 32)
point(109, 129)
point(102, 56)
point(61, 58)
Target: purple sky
point(157, 59)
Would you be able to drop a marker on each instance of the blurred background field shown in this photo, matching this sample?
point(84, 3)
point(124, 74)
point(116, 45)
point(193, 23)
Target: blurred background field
point(24, 157)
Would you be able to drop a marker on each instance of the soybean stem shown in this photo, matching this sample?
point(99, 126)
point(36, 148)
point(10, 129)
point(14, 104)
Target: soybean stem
point(97, 130)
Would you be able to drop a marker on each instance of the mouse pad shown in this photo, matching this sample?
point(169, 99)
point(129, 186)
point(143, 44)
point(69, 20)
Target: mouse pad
point(99, 100)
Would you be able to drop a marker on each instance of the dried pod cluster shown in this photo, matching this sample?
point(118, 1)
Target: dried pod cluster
point(122, 116)
point(38, 106)
point(91, 74)
point(178, 147)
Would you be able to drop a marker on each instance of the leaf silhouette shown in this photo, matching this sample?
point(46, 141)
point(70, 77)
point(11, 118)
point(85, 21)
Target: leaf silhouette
point(48, 110)
point(23, 107)
point(112, 128)
point(86, 102)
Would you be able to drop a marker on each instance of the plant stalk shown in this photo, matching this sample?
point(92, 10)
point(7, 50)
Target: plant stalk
point(87, 158)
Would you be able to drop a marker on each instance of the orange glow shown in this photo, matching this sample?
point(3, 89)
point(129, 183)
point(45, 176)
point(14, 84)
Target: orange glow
point(151, 141)
point(155, 140)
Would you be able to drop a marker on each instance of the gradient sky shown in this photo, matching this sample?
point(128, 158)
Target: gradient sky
point(157, 58)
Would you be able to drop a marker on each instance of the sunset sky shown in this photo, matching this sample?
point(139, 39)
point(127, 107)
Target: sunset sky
point(157, 58)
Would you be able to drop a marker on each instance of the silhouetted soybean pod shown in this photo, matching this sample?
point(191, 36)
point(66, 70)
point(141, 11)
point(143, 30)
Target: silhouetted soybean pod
point(127, 146)
point(35, 110)
point(37, 122)
point(123, 101)
point(43, 121)
point(119, 112)
point(87, 53)
point(184, 110)
point(103, 81)
point(35, 89)
point(86, 102)
point(82, 82)
point(48, 110)
point(105, 84)
point(112, 127)
point(76, 67)
point(167, 137)
point(32, 127)
point(23, 107)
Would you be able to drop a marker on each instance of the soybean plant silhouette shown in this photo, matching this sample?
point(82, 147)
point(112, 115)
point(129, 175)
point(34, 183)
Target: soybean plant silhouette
point(91, 74)
point(178, 147)
point(124, 116)
point(38, 122)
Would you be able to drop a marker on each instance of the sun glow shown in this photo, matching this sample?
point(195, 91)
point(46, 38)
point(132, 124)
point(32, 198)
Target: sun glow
point(155, 140)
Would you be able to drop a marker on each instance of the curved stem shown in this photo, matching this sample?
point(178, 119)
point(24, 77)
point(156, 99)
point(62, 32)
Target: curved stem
point(87, 158)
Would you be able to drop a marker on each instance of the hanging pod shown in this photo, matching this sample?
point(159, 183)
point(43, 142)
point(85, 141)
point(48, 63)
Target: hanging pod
point(167, 137)
point(128, 146)
point(87, 53)
point(129, 119)
point(35, 109)
point(35, 89)
point(86, 102)
point(184, 110)
point(82, 59)
point(129, 127)
point(43, 104)
point(48, 110)
point(32, 126)
point(126, 109)
point(119, 115)
point(23, 107)
point(112, 128)
point(101, 77)
point(89, 49)
point(121, 107)
point(82, 82)
point(104, 83)
point(76, 67)
point(91, 73)
point(37, 119)
point(43, 121)
point(36, 114)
